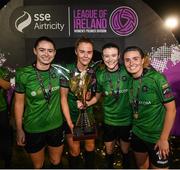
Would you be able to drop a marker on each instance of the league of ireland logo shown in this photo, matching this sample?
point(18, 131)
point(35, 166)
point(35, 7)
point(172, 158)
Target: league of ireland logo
point(123, 21)
point(23, 21)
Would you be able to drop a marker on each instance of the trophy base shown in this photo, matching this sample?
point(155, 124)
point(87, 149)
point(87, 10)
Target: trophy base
point(80, 133)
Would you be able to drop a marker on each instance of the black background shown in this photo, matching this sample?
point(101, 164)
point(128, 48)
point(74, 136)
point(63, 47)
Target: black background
point(165, 8)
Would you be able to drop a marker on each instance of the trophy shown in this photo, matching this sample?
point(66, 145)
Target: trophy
point(85, 127)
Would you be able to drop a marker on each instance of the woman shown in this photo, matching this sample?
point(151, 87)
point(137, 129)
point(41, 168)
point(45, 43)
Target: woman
point(112, 83)
point(37, 110)
point(84, 53)
point(154, 111)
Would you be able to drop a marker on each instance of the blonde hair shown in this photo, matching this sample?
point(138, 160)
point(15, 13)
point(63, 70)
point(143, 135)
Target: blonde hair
point(147, 61)
point(83, 39)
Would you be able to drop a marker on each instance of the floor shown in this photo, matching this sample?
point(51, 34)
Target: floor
point(21, 160)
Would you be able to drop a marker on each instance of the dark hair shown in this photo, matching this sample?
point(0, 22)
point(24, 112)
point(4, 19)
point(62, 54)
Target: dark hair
point(44, 39)
point(142, 54)
point(133, 48)
point(83, 39)
point(110, 45)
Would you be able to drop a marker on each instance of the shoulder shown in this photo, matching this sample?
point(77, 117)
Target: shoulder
point(24, 71)
point(154, 74)
point(124, 72)
point(101, 69)
point(25, 68)
point(122, 68)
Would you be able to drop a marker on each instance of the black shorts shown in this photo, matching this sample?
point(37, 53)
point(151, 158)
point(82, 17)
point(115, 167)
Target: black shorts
point(116, 132)
point(66, 128)
point(139, 145)
point(36, 141)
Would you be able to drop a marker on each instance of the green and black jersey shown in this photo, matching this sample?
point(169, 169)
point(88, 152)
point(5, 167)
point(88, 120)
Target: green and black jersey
point(114, 86)
point(3, 101)
point(39, 115)
point(152, 91)
point(72, 98)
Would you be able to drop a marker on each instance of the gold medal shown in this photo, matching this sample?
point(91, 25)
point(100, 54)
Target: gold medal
point(136, 115)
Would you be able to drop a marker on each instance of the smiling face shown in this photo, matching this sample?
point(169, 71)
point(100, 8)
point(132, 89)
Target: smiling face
point(111, 58)
point(45, 53)
point(84, 53)
point(134, 63)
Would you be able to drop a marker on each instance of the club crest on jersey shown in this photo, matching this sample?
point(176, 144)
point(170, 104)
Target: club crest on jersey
point(53, 74)
point(39, 91)
point(145, 88)
point(124, 78)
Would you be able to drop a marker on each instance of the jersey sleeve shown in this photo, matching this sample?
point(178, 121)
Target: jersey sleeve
point(4, 74)
point(19, 81)
point(64, 82)
point(98, 83)
point(164, 89)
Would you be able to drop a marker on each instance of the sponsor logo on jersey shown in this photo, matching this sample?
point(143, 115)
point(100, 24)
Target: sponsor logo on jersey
point(145, 102)
point(33, 93)
point(55, 88)
point(119, 92)
point(39, 92)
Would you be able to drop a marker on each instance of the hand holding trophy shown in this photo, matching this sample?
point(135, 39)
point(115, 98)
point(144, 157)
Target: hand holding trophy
point(85, 127)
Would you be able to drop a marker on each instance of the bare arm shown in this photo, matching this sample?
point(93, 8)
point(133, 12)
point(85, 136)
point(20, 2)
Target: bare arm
point(5, 84)
point(65, 106)
point(19, 109)
point(94, 100)
point(162, 143)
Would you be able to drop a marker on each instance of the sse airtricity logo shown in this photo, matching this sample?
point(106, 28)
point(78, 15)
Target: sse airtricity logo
point(123, 21)
point(23, 21)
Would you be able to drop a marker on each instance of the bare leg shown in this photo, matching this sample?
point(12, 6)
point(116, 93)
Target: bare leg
point(74, 151)
point(89, 145)
point(125, 154)
point(38, 159)
point(142, 160)
point(109, 147)
point(124, 146)
point(74, 146)
point(55, 154)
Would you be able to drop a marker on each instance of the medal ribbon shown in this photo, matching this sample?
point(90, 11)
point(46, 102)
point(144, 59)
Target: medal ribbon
point(115, 93)
point(135, 98)
point(47, 95)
